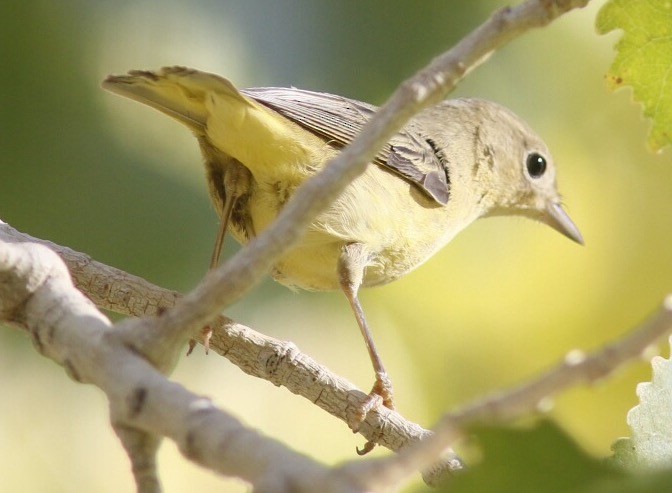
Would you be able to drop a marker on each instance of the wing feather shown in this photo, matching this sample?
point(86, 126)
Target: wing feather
point(338, 120)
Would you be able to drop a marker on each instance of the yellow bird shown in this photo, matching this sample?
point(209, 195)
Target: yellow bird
point(453, 163)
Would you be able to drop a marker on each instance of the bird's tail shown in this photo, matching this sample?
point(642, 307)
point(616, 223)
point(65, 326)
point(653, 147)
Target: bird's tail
point(272, 147)
point(178, 92)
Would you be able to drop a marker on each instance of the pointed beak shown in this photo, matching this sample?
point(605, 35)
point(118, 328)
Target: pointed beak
point(558, 219)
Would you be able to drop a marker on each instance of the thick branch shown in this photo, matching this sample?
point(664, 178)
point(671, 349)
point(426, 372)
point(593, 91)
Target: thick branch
point(279, 362)
point(36, 293)
point(68, 328)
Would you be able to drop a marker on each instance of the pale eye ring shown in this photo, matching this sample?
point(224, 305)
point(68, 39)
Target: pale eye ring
point(536, 165)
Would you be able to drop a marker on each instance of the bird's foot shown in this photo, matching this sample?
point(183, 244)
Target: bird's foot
point(206, 335)
point(381, 394)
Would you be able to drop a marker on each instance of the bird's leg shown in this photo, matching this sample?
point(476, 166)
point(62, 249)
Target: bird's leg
point(351, 266)
point(236, 181)
point(233, 183)
point(227, 208)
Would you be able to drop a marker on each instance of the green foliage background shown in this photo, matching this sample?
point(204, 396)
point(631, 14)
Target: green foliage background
point(503, 301)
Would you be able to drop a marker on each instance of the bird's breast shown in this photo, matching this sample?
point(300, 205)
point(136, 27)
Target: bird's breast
point(399, 226)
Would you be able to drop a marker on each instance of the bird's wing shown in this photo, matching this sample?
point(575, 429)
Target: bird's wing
point(338, 120)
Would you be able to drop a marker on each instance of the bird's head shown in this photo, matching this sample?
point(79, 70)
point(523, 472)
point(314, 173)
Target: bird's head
point(520, 171)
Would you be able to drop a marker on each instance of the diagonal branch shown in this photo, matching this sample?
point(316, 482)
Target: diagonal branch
point(508, 404)
point(279, 362)
point(36, 293)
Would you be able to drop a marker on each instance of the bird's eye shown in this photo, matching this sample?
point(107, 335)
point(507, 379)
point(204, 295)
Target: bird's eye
point(536, 165)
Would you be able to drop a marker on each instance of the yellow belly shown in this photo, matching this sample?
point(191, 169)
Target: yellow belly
point(400, 227)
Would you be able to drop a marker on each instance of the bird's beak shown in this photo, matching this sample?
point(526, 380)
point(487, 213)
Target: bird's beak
point(558, 219)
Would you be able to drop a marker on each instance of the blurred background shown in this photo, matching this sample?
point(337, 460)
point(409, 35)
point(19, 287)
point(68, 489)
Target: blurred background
point(124, 184)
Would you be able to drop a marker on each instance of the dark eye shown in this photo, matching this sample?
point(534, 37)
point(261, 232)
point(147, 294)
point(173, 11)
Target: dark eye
point(536, 165)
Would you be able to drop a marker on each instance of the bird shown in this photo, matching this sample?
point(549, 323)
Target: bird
point(452, 163)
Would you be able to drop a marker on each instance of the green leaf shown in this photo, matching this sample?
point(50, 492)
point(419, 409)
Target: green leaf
point(650, 421)
point(544, 459)
point(624, 456)
point(637, 483)
point(541, 459)
point(644, 59)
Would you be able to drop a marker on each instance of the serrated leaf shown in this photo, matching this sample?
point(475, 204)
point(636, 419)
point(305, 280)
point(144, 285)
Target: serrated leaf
point(651, 419)
point(644, 59)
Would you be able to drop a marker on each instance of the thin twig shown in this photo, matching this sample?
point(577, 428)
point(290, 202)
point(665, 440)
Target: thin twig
point(509, 404)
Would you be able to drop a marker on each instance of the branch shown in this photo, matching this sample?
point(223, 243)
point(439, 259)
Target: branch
point(507, 405)
point(36, 293)
point(279, 362)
